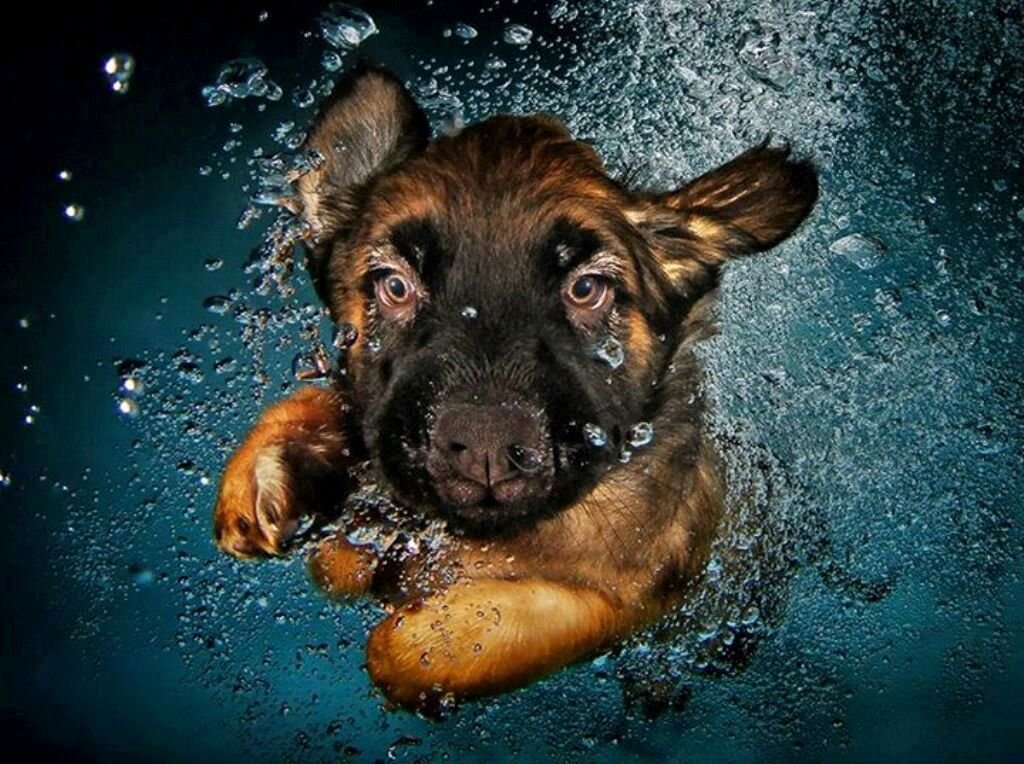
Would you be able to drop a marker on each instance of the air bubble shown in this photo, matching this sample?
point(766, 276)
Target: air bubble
point(641, 434)
point(517, 34)
point(128, 407)
point(133, 386)
point(345, 336)
point(331, 61)
point(241, 78)
point(526, 459)
point(763, 55)
point(560, 11)
point(119, 69)
point(465, 31)
point(217, 304)
point(468, 312)
point(610, 351)
point(595, 435)
point(75, 213)
point(863, 251)
point(345, 27)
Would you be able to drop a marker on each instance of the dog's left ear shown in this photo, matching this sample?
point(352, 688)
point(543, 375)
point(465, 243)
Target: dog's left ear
point(747, 205)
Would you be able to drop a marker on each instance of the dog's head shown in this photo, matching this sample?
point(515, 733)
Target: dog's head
point(514, 306)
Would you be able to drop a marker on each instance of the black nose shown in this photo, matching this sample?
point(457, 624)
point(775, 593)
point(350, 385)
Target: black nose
point(488, 450)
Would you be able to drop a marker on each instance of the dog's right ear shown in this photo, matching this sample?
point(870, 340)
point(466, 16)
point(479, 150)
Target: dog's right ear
point(368, 125)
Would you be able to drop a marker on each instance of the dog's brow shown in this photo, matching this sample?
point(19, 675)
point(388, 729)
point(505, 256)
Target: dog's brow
point(411, 240)
point(571, 244)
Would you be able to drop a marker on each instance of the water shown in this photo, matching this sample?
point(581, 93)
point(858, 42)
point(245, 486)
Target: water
point(866, 379)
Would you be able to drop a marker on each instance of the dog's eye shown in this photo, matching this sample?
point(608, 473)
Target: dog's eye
point(395, 293)
point(588, 292)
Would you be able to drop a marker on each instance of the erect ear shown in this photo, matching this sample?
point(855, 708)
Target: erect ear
point(368, 125)
point(747, 205)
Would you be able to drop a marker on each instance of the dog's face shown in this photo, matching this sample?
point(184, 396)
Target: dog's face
point(514, 307)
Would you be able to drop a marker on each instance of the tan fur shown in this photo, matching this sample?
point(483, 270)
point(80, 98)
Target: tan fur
point(312, 416)
point(475, 617)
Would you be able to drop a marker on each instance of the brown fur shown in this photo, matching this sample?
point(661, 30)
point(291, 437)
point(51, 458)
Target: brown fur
point(480, 616)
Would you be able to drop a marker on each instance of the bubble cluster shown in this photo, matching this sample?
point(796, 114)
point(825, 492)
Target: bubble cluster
point(241, 78)
point(119, 69)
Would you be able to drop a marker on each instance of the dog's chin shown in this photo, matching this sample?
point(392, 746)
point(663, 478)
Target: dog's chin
point(490, 519)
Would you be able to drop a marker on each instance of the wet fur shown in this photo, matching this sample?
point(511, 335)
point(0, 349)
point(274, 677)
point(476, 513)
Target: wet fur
point(616, 545)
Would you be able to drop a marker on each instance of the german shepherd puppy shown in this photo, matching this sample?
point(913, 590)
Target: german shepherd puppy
point(520, 378)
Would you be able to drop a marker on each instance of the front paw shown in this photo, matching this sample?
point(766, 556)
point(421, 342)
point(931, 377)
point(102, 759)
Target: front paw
point(256, 513)
point(430, 651)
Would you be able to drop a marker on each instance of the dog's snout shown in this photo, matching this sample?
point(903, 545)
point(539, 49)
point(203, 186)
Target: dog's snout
point(486, 451)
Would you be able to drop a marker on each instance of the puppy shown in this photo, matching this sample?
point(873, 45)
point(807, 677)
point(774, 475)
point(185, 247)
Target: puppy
point(519, 376)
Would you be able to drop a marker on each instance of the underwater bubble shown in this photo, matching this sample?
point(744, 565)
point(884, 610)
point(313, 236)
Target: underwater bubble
point(303, 97)
point(465, 31)
point(468, 312)
point(595, 435)
point(5, 479)
point(263, 16)
point(345, 27)
point(205, 170)
point(128, 407)
point(74, 212)
point(345, 336)
point(864, 251)
point(283, 130)
point(190, 372)
point(213, 264)
point(248, 215)
point(234, 127)
point(64, 176)
point(218, 304)
point(494, 64)
point(762, 56)
point(311, 364)
point(133, 386)
point(526, 459)
point(560, 11)
point(610, 351)
point(943, 317)
point(641, 434)
point(119, 69)
point(241, 78)
point(225, 365)
point(517, 34)
point(24, 322)
point(331, 61)
point(889, 299)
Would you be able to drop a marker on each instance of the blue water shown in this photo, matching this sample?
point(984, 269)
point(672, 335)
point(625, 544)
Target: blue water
point(882, 373)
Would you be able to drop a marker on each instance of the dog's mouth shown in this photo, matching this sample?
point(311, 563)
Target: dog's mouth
point(492, 485)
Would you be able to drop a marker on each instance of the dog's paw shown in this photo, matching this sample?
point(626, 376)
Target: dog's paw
point(435, 650)
point(256, 514)
point(342, 569)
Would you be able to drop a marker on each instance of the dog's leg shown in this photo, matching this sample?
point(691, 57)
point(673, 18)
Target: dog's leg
point(342, 569)
point(292, 464)
point(488, 636)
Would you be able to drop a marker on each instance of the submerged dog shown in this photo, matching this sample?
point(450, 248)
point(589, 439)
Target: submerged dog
point(520, 373)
